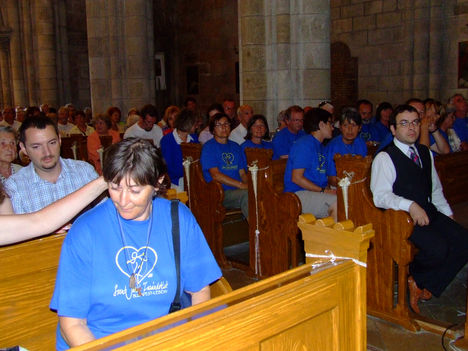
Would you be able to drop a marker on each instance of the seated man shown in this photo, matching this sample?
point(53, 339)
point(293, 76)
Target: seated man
point(365, 108)
point(48, 177)
point(244, 114)
point(306, 169)
point(286, 137)
point(347, 142)
point(404, 178)
point(146, 127)
point(224, 161)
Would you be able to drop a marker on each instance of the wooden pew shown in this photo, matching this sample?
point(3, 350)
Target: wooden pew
point(302, 309)
point(76, 142)
point(452, 169)
point(27, 280)
point(206, 202)
point(276, 213)
point(390, 252)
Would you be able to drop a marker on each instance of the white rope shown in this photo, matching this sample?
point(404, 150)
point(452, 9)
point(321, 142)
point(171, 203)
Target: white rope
point(100, 151)
point(73, 148)
point(344, 183)
point(330, 255)
point(186, 163)
point(253, 169)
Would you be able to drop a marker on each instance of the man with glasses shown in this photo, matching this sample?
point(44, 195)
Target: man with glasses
point(306, 169)
point(286, 137)
point(404, 178)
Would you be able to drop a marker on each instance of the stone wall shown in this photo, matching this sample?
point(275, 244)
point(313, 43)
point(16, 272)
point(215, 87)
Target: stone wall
point(404, 48)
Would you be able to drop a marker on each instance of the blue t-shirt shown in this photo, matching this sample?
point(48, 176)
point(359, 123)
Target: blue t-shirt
point(309, 154)
point(263, 145)
point(96, 265)
point(379, 132)
point(444, 134)
point(172, 154)
point(229, 158)
point(283, 141)
point(461, 129)
point(337, 146)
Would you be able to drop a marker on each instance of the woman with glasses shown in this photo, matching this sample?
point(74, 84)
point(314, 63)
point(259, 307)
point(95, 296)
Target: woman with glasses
point(224, 161)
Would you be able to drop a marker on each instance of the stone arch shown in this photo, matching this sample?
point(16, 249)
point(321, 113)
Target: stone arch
point(344, 76)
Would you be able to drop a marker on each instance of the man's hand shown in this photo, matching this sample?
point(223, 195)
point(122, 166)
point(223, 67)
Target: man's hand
point(418, 214)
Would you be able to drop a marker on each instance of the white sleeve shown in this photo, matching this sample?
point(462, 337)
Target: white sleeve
point(382, 178)
point(438, 198)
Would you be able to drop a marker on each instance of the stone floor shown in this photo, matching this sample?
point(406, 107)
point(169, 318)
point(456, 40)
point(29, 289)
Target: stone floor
point(386, 336)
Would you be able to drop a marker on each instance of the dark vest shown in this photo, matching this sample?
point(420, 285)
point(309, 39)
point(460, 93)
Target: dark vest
point(413, 182)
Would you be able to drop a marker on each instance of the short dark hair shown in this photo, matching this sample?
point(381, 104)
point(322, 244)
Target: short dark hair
point(414, 100)
point(39, 122)
point(254, 119)
point(185, 120)
point(149, 110)
point(136, 158)
point(350, 114)
point(400, 109)
point(112, 109)
point(291, 109)
point(189, 99)
point(364, 102)
point(216, 118)
point(103, 117)
point(382, 107)
point(313, 117)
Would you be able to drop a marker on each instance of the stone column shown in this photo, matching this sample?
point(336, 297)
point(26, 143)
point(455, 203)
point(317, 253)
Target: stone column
point(5, 80)
point(284, 54)
point(121, 54)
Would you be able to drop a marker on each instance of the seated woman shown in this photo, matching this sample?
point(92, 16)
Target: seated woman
point(185, 124)
point(223, 160)
point(115, 116)
point(257, 133)
point(381, 128)
point(348, 142)
point(81, 127)
point(205, 134)
point(102, 124)
point(117, 266)
point(169, 118)
point(445, 124)
point(8, 153)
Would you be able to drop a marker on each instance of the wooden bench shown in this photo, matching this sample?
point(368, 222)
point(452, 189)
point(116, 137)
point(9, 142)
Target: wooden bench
point(27, 280)
point(452, 169)
point(390, 252)
point(205, 202)
point(74, 147)
point(276, 213)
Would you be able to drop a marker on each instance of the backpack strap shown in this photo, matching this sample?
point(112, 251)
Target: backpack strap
point(176, 305)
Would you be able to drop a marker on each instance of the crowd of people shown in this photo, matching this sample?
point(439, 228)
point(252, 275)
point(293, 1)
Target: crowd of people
point(145, 157)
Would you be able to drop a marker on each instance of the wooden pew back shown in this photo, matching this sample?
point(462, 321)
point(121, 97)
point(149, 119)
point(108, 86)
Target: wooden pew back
point(77, 142)
point(27, 278)
point(205, 202)
point(390, 252)
point(452, 169)
point(276, 214)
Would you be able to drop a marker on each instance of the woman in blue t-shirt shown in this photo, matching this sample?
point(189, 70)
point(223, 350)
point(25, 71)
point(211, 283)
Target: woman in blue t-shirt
point(117, 267)
point(258, 134)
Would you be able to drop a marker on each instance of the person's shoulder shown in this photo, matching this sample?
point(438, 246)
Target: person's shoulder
point(21, 175)
point(77, 165)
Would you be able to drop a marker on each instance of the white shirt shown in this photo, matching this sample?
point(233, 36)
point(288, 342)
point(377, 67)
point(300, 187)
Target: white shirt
point(64, 129)
point(136, 131)
point(16, 125)
point(238, 134)
point(384, 175)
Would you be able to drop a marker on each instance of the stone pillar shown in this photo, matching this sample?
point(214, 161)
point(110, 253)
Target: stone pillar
point(5, 81)
point(284, 54)
point(121, 53)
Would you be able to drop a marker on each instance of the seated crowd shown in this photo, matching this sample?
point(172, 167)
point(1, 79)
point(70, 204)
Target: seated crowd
point(408, 137)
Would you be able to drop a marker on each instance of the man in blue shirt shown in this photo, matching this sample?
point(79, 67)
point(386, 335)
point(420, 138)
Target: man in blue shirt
point(460, 125)
point(306, 169)
point(365, 108)
point(286, 137)
point(348, 142)
point(48, 177)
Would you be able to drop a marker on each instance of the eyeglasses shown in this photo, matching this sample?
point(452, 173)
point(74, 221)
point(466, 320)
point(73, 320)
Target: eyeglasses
point(413, 123)
point(222, 125)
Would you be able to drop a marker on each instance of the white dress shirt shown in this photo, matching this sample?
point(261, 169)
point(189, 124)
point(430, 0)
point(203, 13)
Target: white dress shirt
point(136, 131)
point(384, 175)
point(238, 134)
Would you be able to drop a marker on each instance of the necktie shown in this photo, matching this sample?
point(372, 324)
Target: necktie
point(414, 156)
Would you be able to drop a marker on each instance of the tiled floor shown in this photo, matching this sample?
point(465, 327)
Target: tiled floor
point(385, 336)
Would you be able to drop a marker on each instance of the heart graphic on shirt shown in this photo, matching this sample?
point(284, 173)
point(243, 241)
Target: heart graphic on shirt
point(228, 158)
point(140, 261)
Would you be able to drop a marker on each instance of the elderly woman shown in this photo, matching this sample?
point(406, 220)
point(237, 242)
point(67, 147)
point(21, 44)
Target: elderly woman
point(117, 265)
point(80, 125)
point(170, 146)
point(102, 123)
point(169, 118)
point(257, 134)
point(7, 153)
